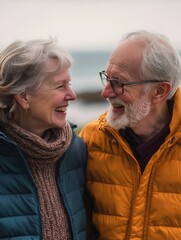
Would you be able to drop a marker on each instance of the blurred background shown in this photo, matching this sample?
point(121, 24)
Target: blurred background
point(89, 30)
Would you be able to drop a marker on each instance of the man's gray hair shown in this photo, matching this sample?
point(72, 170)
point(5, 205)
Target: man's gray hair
point(160, 60)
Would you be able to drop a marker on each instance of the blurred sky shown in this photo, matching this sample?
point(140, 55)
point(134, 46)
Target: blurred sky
point(87, 24)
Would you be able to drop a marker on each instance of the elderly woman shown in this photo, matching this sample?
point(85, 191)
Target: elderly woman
point(42, 161)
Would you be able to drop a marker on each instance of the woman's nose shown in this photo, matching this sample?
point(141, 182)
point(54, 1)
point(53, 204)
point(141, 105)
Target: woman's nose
point(71, 95)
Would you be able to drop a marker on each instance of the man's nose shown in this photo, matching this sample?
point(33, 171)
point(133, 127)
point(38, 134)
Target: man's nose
point(108, 92)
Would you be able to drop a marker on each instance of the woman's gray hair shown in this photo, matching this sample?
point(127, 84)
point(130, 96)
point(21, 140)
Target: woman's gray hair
point(23, 68)
point(160, 60)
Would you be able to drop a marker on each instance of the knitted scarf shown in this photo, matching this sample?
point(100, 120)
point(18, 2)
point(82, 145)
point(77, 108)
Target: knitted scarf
point(42, 155)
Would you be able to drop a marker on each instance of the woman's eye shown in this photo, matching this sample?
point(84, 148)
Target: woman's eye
point(64, 86)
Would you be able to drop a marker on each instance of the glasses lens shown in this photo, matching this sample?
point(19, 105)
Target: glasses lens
point(103, 79)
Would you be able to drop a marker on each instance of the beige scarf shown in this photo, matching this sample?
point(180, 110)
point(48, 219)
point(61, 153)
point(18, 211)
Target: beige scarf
point(42, 155)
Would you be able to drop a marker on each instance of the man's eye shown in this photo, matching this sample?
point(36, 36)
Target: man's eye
point(117, 83)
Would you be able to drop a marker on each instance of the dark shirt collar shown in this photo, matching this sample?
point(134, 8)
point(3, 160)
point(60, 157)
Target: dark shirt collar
point(143, 151)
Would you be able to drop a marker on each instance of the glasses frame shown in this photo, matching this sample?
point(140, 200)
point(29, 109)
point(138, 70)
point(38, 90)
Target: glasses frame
point(113, 81)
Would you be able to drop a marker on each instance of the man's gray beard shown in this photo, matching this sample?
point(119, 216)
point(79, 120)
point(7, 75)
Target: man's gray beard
point(134, 113)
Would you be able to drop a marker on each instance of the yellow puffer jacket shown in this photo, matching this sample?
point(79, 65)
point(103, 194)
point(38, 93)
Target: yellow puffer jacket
point(129, 205)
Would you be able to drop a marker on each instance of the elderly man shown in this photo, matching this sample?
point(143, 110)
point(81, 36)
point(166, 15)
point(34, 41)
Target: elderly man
point(134, 165)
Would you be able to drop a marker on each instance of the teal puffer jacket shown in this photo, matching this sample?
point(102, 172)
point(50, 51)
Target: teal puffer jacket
point(19, 207)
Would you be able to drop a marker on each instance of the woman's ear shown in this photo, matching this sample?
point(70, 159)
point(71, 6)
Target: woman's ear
point(22, 99)
point(161, 92)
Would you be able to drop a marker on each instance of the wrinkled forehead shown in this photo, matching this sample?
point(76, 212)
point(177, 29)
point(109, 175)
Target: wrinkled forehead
point(127, 56)
point(128, 50)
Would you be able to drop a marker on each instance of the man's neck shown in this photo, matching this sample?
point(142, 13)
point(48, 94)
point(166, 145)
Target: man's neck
point(153, 123)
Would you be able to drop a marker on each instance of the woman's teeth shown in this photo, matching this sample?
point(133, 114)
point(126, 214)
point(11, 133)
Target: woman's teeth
point(61, 109)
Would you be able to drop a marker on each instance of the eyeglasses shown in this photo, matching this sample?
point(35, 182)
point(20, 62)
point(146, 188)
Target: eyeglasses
point(118, 86)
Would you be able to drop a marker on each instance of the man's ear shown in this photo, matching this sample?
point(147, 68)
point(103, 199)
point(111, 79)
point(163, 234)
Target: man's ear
point(161, 92)
point(22, 99)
